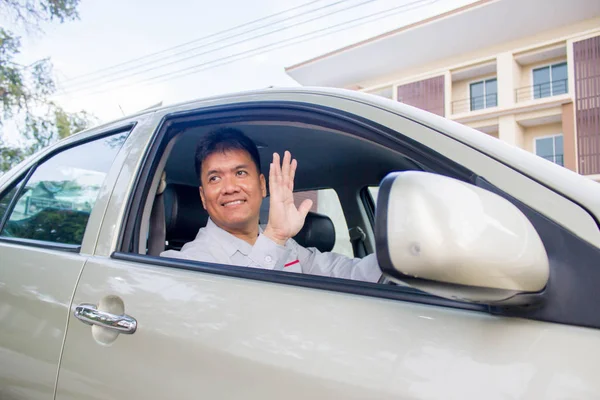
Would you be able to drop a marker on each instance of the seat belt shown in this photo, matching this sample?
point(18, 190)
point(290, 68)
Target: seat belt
point(357, 238)
point(158, 234)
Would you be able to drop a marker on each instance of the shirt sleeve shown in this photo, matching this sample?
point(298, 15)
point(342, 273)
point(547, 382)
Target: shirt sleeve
point(337, 265)
point(267, 254)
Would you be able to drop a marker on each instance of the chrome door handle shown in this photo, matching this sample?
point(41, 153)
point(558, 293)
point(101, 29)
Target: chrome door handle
point(89, 314)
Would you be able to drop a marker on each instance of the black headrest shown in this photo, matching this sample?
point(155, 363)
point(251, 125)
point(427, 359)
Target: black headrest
point(318, 231)
point(184, 214)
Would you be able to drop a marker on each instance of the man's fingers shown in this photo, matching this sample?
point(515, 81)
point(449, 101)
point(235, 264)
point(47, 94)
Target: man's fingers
point(272, 182)
point(276, 164)
point(305, 207)
point(292, 174)
point(285, 168)
point(277, 168)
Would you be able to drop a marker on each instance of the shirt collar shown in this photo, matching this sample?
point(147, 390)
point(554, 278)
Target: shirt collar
point(230, 243)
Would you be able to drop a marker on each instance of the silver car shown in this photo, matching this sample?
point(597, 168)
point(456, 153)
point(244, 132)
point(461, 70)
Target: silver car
point(490, 258)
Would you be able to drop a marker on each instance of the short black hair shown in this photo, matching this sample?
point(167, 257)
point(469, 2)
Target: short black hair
point(224, 139)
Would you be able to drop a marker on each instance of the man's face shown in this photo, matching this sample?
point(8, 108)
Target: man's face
point(232, 190)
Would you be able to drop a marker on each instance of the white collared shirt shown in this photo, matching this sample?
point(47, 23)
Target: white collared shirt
point(213, 244)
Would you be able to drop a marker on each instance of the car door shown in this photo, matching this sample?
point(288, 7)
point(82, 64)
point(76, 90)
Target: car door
point(187, 330)
point(44, 214)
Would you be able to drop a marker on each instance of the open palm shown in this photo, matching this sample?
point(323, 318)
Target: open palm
point(285, 220)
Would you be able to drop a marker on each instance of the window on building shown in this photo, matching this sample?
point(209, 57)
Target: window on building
point(484, 94)
point(550, 148)
point(387, 92)
point(550, 80)
point(56, 202)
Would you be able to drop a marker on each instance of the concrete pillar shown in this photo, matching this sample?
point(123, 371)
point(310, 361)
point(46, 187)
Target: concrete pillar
point(505, 70)
point(569, 137)
point(510, 131)
point(448, 94)
point(517, 71)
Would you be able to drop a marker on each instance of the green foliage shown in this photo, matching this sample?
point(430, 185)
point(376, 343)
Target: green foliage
point(43, 226)
point(32, 12)
point(25, 90)
point(10, 156)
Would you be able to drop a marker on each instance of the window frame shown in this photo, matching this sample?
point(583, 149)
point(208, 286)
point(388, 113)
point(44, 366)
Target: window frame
point(551, 81)
point(553, 137)
point(484, 81)
point(26, 174)
point(128, 237)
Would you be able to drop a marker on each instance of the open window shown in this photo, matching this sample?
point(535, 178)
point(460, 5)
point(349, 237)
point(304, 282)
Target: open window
point(334, 164)
point(335, 151)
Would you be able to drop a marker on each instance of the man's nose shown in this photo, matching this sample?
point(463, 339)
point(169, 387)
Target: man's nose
point(229, 185)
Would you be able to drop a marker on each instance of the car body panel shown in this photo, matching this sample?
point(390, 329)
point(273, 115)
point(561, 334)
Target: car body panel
point(210, 336)
point(35, 299)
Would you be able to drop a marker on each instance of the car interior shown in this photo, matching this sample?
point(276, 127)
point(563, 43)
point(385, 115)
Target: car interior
point(327, 159)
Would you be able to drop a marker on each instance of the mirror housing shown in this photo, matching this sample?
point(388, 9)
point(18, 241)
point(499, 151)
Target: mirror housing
point(457, 241)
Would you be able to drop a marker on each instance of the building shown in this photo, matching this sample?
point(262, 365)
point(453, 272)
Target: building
point(524, 71)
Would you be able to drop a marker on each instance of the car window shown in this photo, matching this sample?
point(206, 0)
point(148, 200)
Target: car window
point(327, 202)
point(5, 200)
point(57, 200)
point(374, 191)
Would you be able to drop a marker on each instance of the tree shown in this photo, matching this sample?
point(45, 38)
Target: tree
point(25, 90)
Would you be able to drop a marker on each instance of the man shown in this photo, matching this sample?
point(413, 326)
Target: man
point(232, 188)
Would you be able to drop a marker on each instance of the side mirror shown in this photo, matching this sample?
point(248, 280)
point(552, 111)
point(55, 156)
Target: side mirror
point(456, 240)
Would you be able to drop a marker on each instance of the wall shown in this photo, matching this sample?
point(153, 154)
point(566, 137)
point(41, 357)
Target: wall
point(538, 114)
point(427, 94)
point(587, 107)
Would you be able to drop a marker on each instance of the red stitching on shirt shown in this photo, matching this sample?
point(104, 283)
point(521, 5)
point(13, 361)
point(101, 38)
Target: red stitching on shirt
point(291, 263)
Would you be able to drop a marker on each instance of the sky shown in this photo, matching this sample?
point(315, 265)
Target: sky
point(228, 53)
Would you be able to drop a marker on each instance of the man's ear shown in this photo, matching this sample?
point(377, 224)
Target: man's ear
point(263, 185)
point(202, 197)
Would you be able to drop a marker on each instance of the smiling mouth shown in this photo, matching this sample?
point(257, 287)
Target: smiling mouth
point(233, 203)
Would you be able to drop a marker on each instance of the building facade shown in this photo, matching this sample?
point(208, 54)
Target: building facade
point(526, 72)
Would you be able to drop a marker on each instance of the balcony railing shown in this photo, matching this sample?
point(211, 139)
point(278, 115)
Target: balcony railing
point(557, 159)
point(475, 103)
point(542, 90)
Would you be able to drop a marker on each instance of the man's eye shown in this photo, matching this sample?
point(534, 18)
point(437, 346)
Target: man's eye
point(213, 178)
point(242, 173)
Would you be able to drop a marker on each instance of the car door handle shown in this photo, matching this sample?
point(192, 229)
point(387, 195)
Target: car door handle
point(89, 314)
